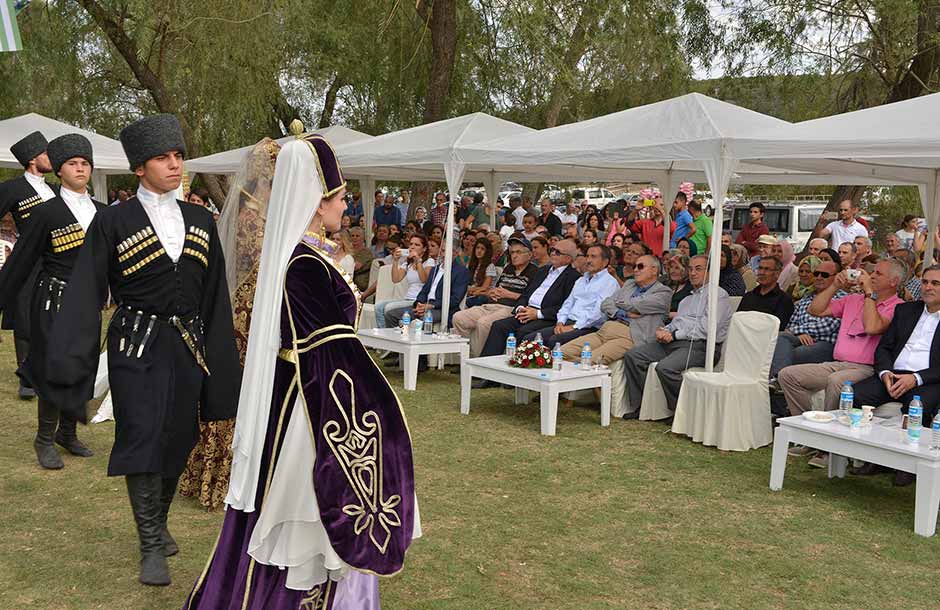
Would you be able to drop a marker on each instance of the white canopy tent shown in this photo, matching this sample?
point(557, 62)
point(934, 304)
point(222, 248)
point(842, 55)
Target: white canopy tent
point(686, 138)
point(227, 162)
point(109, 155)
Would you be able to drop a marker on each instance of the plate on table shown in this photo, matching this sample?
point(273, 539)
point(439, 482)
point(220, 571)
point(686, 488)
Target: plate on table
point(819, 417)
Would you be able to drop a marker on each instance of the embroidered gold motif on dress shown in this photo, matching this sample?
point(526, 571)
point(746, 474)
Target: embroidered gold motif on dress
point(318, 597)
point(358, 449)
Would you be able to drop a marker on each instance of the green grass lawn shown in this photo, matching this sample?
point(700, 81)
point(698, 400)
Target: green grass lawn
point(629, 516)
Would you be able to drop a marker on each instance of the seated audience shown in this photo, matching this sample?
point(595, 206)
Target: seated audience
point(540, 248)
point(788, 273)
point(730, 278)
point(482, 273)
point(500, 255)
point(678, 281)
point(742, 263)
point(679, 345)
point(475, 322)
point(633, 314)
point(765, 246)
point(864, 257)
point(865, 316)
point(537, 308)
point(431, 296)
point(806, 281)
point(362, 255)
point(685, 247)
point(378, 241)
point(907, 359)
point(847, 252)
point(343, 255)
point(468, 242)
point(808, 338)
point(816, 245)
point(413, 266)
point(530, 223)
point(581, 314)
point(767, 297)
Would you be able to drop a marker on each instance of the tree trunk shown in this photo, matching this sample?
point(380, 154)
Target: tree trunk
point(329, 102)
point(442, 22)
point(915, 81)
point(577, 46)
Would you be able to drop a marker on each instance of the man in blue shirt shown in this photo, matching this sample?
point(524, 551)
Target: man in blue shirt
point(354, 207)
point(385, 212)
point(581, 313)
point(685, 224)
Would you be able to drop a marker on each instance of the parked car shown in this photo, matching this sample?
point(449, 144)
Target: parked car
point(596, 196)
point(793, 221)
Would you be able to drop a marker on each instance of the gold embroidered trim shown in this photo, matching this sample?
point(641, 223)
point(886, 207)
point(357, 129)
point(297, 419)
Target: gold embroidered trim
point(136, 238)
point(357, 446)
point(137, 248)
point(318, 597)
point(198, 255)
point(143, 263)
point(288, 355)
point(319, 332)
point(327, 340)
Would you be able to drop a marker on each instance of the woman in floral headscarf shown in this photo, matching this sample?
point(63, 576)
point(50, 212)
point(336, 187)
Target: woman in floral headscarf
point(788, 276)
point(806, 281)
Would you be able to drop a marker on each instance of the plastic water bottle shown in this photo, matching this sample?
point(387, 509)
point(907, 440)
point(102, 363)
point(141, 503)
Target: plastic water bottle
point(511, 345)
point(915, 411)
point(405, 323)
point(935, 436)
point(846, 398)
point(557, 357)
point(538, 339)
point(419, 324)
point(428, 323)
point(586, 356)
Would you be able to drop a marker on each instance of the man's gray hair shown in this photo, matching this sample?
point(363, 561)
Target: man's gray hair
point(655, 262)
point(851, 243)
point(867, 240)
point(825, 243)
point(899, 270)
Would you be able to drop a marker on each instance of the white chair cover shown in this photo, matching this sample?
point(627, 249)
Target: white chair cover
point(619, 399)
point(735, 302)
point(653, 405)
point(385, 290)
point(731, 409)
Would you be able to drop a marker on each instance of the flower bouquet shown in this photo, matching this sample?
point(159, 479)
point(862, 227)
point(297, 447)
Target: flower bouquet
point(531, 355)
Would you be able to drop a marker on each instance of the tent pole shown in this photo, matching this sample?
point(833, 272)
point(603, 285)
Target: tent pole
point(367, 187)
point(719, 175)
point(453, 173)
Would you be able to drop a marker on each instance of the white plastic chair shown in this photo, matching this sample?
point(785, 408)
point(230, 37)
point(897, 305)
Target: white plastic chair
point(735, 302)
point(385, 290)
point(731, 409)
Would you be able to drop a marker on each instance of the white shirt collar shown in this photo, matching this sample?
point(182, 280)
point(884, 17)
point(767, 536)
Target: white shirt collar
point(935, 314)
point(81, 206)
point(34, 179)
point(148, 197)
point(71, 195)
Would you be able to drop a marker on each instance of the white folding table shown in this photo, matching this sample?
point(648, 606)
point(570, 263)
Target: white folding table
point(413, 345)
point(549, 383)
point(884, 443)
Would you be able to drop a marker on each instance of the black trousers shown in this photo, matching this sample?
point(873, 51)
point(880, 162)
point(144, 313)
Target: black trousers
point(872, 391)
point(496, 341)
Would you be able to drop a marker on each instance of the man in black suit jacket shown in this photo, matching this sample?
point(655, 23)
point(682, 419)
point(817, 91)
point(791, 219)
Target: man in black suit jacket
point(538, 313)
point(907, 361)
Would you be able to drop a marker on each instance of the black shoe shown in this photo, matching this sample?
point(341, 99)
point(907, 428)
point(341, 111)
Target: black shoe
point(144, 492)
point(154, 570)
point(170, 547)
point(632, 415)
point(903, 479)
point(48, 419)
point(27, 393)
point(67, 438)
point(482, 384)
point(47, 455)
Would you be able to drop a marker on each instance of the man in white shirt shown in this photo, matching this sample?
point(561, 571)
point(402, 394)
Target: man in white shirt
point(847, 228)
point(570, 215)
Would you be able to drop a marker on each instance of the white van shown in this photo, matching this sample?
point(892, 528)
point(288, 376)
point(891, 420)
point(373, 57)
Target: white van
point(793, 220)
point(596, 196)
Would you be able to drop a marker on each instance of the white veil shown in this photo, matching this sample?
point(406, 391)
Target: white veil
point(295, 197)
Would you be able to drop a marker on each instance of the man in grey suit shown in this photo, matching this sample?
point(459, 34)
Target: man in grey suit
point(635, 312)
point(679, 345)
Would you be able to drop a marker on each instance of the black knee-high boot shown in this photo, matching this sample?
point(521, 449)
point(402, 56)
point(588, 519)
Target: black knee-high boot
point(46, 452)
point(167, 491)
point(67, 437)
point(144, 493)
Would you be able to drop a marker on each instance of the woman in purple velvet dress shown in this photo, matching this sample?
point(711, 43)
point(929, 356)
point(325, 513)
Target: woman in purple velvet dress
point(321, 499)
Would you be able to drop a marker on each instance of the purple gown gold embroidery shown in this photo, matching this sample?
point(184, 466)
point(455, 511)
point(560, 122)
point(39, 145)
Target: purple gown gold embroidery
point(363, 476)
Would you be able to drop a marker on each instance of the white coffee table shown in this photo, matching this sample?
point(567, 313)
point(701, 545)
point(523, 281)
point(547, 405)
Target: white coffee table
point(413, 345)
point(549, 383)
point(881, 443)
